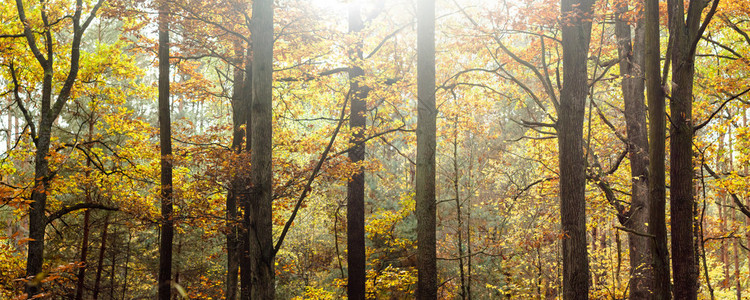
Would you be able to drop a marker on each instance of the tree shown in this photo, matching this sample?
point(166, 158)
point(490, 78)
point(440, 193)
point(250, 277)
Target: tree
point(657, 140)
point(355, 196)
point(576, 35)
point(41, 131)
point(259, 228)
point(685, 32)
point(165, 143)
point(426, 132)
point(240, 116)
point(631, 54)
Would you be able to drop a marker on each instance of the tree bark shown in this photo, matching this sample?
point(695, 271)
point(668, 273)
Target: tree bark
point(245, 183)
point(261, 248)
point(684, 35)
point(240, 109)
point(165, 142)
point(630, 51)
point(86, 216)
point(657, 227)
point(457, 194)
point(84, 254)
point(100, 262)
point(426, 145)
point(355, 196)
point(127, 262)
point(113, 269)
point(576, 34)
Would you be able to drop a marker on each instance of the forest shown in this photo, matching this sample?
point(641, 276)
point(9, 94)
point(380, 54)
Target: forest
point(374, 149)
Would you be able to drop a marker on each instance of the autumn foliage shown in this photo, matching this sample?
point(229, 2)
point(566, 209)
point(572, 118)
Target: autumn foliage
point(499, 102)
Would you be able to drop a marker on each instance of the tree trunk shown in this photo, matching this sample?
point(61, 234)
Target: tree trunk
point(661, 289)
point(114, 266)
point(721, 201)
point(576, 35)
point(457, 194)
point(100, 262)
point(261, 173)
point(631, 65)
point(37, 218)
point(239, 121)
point(684, 35)
point(42, 133)
point(127, 261)
point(426, 145)
point(9, 134)
point(468, 227)
point(735, 250)
point(165, 141)
point(355, 196)
point(86, 216)
point(244, 183)
point(84, 253)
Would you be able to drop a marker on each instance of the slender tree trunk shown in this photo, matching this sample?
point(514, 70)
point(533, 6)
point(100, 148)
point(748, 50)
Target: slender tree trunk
point(239, 120)
point(260, 227)
point(456, 193)
point(661, 289)
point(245, 183)
point(468, 250)
point(165, 141)
point(722, 215)
point(576, 35)
point(735, 250)
point(633, 85)
point(426, 145)
point(468, 228)
point(84, 253)
point(114, 266)
point(100, 263)
point(86, 216)
point(355, 208)
point(127, 261)
point(9, 135)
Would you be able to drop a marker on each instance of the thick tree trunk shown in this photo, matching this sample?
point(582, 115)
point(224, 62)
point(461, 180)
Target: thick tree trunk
point(631, 69)
point(165, 141)
point(661, 289)
point(355, 196)
point(681, 175)
point(426, 145)
point(37, 218)
point(261, 248)
point(576, 35)
point(684, 33)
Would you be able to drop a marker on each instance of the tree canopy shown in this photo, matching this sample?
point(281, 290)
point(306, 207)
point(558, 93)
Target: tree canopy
point(374, 149)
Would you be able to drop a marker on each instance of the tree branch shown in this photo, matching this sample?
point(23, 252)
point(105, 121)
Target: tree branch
point(713, 114)
point(744, 209)
point(66, 210)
